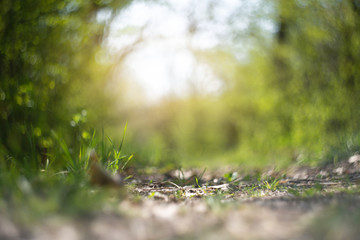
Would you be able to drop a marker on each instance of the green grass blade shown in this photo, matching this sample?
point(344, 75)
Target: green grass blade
point(123, 138)
point(123, 167)
point(68, 158)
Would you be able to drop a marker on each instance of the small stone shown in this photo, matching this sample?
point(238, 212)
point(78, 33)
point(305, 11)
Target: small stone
point(339, 171)
point(354, 159)
point(323, 173)
point(8, 230)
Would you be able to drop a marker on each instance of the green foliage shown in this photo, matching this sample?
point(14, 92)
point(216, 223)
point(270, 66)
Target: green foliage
point(48, 72)
point(228, 176)
point(114, 163)
point(292, 100)
point(231, 176)
point(271, 185)
point(197, 182)
point(316, 93)
point(28, 193)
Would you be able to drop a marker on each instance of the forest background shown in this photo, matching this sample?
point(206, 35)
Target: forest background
point(287, 94)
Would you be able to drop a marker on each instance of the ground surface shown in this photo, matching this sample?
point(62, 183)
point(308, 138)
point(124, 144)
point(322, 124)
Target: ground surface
point(305, 204)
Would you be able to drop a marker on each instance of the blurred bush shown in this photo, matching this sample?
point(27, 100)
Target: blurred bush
point(51, 76)
point(294, 100)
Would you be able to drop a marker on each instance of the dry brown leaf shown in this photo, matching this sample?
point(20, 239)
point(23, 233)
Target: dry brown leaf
point(99, 176)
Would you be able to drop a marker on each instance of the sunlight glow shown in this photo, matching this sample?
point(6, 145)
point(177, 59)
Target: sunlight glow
point(163, 37)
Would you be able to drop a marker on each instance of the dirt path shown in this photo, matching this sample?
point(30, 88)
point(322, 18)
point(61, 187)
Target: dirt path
point(277, 209)
point(303, 204)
